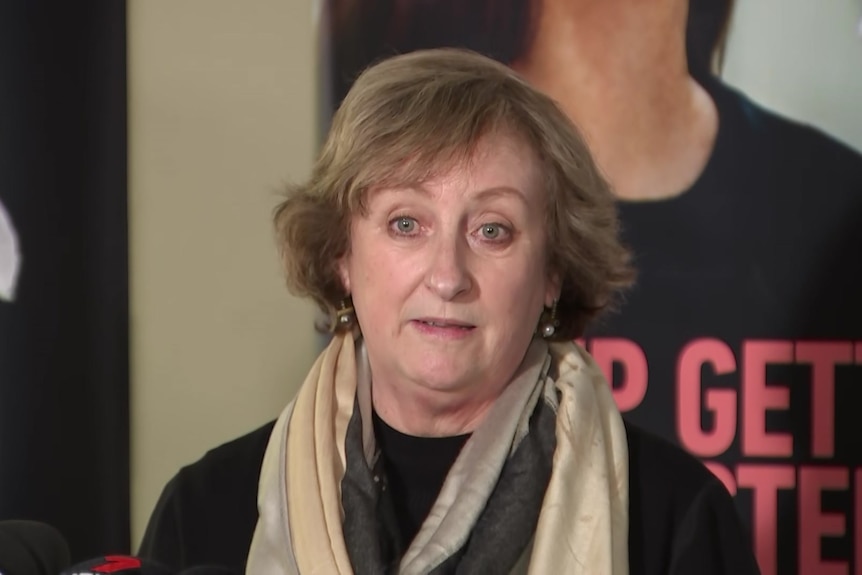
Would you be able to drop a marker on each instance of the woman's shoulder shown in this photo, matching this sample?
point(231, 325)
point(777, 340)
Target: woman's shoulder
point(243, 453)
point(681, 517)
point(207, 512)
point(233, 467)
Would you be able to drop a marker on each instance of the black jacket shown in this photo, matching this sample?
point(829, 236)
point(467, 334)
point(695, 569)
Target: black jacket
point(681, 518)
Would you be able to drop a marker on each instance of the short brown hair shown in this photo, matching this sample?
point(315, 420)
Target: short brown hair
point(410, 117)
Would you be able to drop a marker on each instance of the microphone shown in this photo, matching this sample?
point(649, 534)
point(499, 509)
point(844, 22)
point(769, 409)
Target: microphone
point(31, 548)
point(119, 564)
point(128, 565)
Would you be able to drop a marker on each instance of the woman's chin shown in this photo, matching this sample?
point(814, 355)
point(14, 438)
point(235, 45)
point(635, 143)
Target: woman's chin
point(446, 377)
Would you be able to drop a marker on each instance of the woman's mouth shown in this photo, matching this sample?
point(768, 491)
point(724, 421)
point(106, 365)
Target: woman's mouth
point(445, 328)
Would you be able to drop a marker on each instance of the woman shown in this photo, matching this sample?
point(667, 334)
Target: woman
point(459, 235)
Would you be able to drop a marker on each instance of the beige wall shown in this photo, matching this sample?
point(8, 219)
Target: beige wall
point(222, 112)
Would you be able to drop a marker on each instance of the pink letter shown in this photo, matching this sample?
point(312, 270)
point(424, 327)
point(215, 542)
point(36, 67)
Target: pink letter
point(608, 351)
point(723, 474)
point(823, 358)
point(757, 397)
point(858, 546)
point(765, 481)
point(721, 402)
point(813, 523)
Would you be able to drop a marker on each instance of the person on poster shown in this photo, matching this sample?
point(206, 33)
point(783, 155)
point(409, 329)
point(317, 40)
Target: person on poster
point(741, 339)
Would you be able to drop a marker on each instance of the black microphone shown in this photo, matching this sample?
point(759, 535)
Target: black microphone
point(119, 565)
point(128, 565)
point(208, 570)
point(31, 548)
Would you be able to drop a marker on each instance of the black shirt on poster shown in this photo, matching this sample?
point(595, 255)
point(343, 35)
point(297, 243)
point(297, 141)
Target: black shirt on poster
point(760, 255)
point(767, 244)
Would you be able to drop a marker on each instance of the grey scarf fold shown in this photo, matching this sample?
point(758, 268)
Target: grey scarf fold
point(503, 470)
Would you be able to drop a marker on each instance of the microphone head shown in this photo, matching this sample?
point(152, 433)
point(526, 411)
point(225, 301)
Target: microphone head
point(118, 565)
point(32, 548)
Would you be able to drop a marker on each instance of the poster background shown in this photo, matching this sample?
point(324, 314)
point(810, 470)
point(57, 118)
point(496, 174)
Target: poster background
point(741, 339)
point(802, 59)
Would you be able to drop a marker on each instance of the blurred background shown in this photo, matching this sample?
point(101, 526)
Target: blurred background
point(143, 145)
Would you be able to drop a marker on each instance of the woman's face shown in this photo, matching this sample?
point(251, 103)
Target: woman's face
point(448, 277)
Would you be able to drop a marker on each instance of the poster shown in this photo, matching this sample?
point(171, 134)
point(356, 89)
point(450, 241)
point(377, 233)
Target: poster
point(742, 340)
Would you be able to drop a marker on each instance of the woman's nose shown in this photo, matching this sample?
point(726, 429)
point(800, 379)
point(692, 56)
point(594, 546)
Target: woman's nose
point(448, 275)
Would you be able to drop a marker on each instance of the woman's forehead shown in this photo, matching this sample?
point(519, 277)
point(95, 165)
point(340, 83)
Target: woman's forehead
point(417, 167)
point(498, 166)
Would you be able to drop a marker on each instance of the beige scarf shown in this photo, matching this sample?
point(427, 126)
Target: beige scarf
point(583, 522)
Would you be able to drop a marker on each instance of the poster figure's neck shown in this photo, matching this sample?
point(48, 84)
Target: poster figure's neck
point(620, 71)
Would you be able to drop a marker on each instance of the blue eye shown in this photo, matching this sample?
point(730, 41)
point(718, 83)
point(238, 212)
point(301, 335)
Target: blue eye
point(491, 231)
point(495, 232)
point(404, 225)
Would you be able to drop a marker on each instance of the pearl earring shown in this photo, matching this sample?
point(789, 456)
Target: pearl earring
point(345, 315)
point(549, 321)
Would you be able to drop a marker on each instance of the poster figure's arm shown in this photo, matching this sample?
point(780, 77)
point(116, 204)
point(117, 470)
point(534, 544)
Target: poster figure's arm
point(10, 257)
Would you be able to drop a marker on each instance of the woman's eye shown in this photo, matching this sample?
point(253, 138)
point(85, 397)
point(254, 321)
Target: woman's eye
point(404, 225)
point(493, 231)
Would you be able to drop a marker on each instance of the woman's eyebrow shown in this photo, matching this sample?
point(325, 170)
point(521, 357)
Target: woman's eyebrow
point(402, 188)
point(502, 191)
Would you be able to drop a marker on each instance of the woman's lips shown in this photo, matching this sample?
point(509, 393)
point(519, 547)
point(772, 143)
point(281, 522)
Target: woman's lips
point(443, 328)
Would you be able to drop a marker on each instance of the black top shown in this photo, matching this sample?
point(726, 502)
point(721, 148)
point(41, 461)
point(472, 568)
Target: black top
point(681, 519)
point(415, 470)
point(207, 512)
point(745, 281)
point(764, 246)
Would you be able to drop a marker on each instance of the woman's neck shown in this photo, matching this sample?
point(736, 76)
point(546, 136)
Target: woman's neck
point(618, 68)
point(427, 413)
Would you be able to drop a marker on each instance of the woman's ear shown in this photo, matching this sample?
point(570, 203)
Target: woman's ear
point(553, 289)
point(344, 272)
